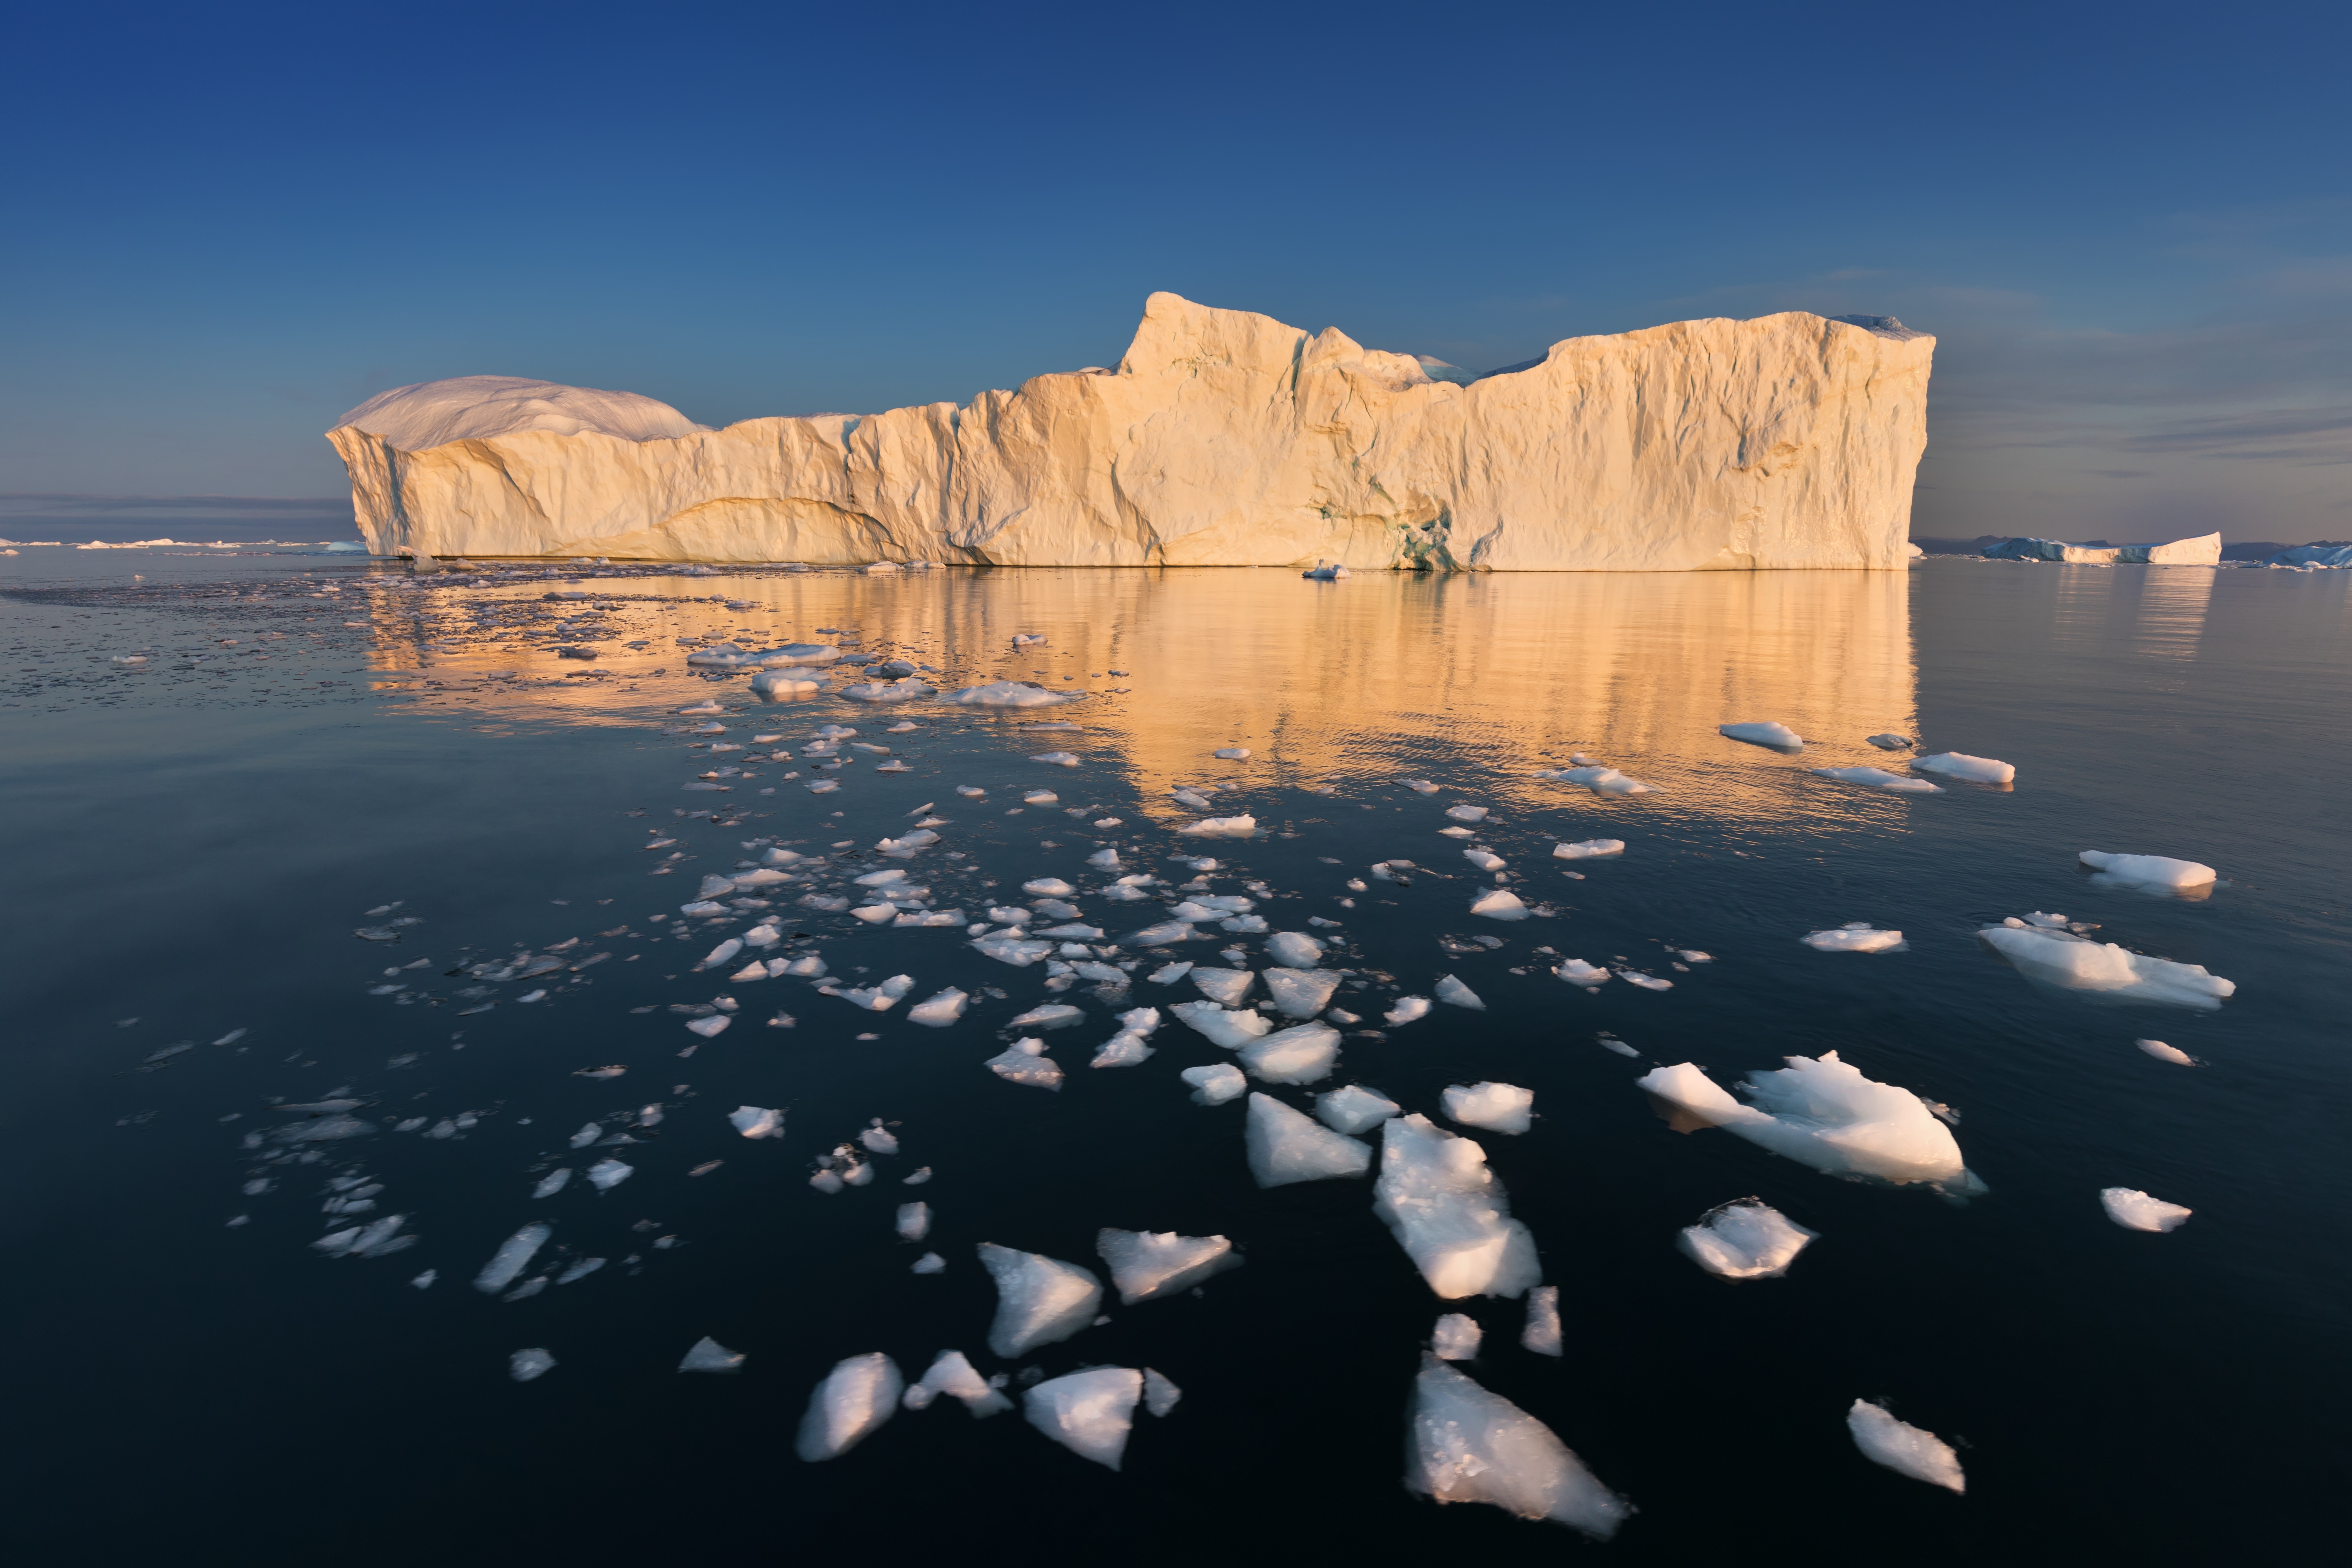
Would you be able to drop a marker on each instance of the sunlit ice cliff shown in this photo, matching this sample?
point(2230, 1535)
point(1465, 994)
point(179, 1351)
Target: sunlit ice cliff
point(1222, 438)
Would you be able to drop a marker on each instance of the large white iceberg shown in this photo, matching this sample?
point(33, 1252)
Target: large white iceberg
point(1221, 438)
point(1823, 1114)
point(1470, 1444)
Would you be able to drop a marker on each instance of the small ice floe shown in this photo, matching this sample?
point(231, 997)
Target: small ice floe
point(1159, 1396)
point(606, 1174)
point(1322, 572)
point(1013, 950)
point(928, 1263)
point(1747, 1238)
point(1469, 1445)
point(1293, 949)
point(970, 792)
point(808, 966)
point(857, 1396)
point(785, 683)
point(1823, 1114)
point(1215, 1084)
point(1608, 1042)
point(721, 953)
point(1960, 766)
point(1646, 982)
point(1450, 1214)
point(1456, 1338)
point(709, 1355)
point(1453, 993)
point(939, 1011)
point(1028, 639)
point(1879, 778)
point(1406, 1010)
point(1148, 1266)
point(1496, 1107)
point(1088, 1412)
point(1903, 1447)
point(1058, 759)
point(525, 1365)
point(1301, 993)
point(1765, 732)
point(1891, 741)
point(1304, 1053)
point(425, 1281)
point(878, 1139)
point(1576, 972)
point(757, 1120)
point(586, 1135)
point(1127, 1048)
point(2150, 872)
point(712, 1026)
point(1286, 1146)
point(1467, 813)
point(2104, 972)
point(2165, 1053)
point(1040, 797)
point(577, 1270)
point(1485, 860)
point(513, 1255)
point(1354, 1109)
point(1220, 828)
point(1040, 1300)
point(2135, 1210)
point(1499, 904)
point(1859, 936)
point(1048, 886)
point(1159, 935)
point(1050, 1015)
point(553, 1182)
point(1541, 1334)
point(755, 969)
point(1027, 1063)
point(1587, 849)
point(1230, 1028)
point(1170, 974)
point(1010, 694)
point(1233, 753)
point(953, 1374)
point(914, 1221)
point(1599, 780)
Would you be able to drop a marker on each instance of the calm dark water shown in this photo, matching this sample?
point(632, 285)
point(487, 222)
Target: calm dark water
point(192, 849)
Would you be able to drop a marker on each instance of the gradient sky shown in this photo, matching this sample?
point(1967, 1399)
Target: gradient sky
point(2129, 225)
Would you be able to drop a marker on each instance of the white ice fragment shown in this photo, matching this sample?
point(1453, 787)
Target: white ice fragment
point(606, 1174)
point(1576, 972)
point(553, 1182)
point(721, 953)
point(1599, 780)
point(882, 997)
point(1879, 778)
point(1027, 1063)
point(952, 1373)
point(1215, 1084)
point(1039, 1299)
point(710, 1027)
point(1485, 860)
point(1124, 1049)
point(1469, 1445)
point(878, 1139)
point(1456, 1337)
point(1407, 1009)
point(425, 1281)
point(857, 1396)
point(1453, 993)
point(513, 1255)
point(807, 966)
point(709, 1355)
point(587, 1135)
point(1304, 1053)
point(1354, 1109)
point(755, 969)
point(1293, 950)
point(1049, 1016)
point(578, 1270)
point(1226, 987)
point(1450, 1214)
point(1541, 1334)
point(1220, 828)
point(1745, 1239)
point(1903, 1447)
point(1960, 766)
point(1159, 1396)
point(1048, 886)
point(2165, 1053)
point(928, 1263)
point(1301, 993)
point(1646, 982)
point(2105, 971)
point(2135, 1210)
point(524, 1365)
point(1499, 904)
point(914, 1221)
point(1170, 974)
point(1230, 1029)
point(1858, 937)
point(2150, 871)
point(1823, 1114)
point(1013, 950)
point(1089, 1413)
point(1233, 753)
point(1286, 1146)
point(1766, 732)
point(757, 1121)
point(1496, 1107)
point(1891, 741)
point(1587, 849)
point(939, 1011)
point(1154, 1264)
point(1467, 813)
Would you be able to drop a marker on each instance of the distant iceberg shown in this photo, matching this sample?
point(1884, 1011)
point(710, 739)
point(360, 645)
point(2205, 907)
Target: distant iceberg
point(2205, 549)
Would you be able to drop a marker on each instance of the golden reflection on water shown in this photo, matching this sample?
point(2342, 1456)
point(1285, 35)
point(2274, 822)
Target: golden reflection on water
point(1387, 675)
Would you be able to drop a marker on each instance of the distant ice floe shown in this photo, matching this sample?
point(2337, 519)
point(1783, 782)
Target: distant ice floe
point(856, 1396)
point(1148, 1266)
point(1823, 1114)
point(757, 1121)
point(1747, 1238)
point(1301, 993)
point(513, 1255)
point(1587, 849)
point(2102, 971)
point(1576, 972)
point(939, 1011)
point(1765, 732)
point(786, 683)
point(1903, 1448)
point(2135, 1210)
point(1960, 766)
point(1859, 936)
point(1407, 1009)
point(1285, 1146)
point(1088, 1412)
point(1293, 949)
point(1040, 1300)
point(1010, 694)
point(1496, 1107)
point(1879, 778)
point(2153, 873)
point(1599, 780)
point(1449, 1213)
point(1470, 1444)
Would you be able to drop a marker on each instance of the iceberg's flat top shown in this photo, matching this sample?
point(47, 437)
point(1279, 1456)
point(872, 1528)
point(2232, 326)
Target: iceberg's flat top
point(477, 407)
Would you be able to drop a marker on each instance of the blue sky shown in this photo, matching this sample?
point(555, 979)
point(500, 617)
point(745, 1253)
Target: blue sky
point(2130, 226)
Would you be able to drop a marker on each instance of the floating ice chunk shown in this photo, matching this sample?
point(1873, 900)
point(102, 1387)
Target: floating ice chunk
point(1233, 753)
point(1354, 1109)
point(1010, 694)
point(1766, 732)
point(1857, 937)
point(1215, 1084)
point(1231, 1030)
point(952, 1373)
point(1051, 1015)
point(882, 997)
point(1124, 1049)
point(1159, 1396)
point(1879, 778)
point(1286, 1146)
point(1541, 1334)
point(1013, 950)
point(908, 688)
point(1903, 1447)
point(1293, 949)
point(606, 1174)
point(1496, 1107)
point(1823, 1114)
point(709, 1355)
point(1891, 741)
point(785, 683)
point(1154, 1264)
point(1159, 935)
point(525, 1365)
point(939, 1011)
point(857, 1396)
point(1467, 813)
point(808, 965)
point(1454, 994)
point(1450, 1214)
point(1220, 828)
point(578, 1270)
point(1048, 886)
point(1304, 1053)
point(1088, 1412)
point(1456, 1337)
point(1469, 1445)
point(1485, 860)
point(1599, 780)
point(1074, 931)
point(513, 1255)
point(928, 1263)
point(1960, 766)
point(2165, 1053)
point(1027, 1063)
point(2046, 921)
point(1170, 974)
point(1039, 1299)
point(2135, 1210)
point(720, 954)
point(914, 1221)
point(1407, 1009)
point(587, 1135)
point(755, 969)
point(1745, 1239)
point(1499, 904)
point(1587, 849)
point(2149, 870)
point(1576, 972)
point(2103, 971)
point(878, 1139)
point(712, 1026)
point(553, 1182)
point(757, 1121)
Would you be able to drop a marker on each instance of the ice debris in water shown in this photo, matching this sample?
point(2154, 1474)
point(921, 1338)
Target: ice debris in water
point(953, 1374)
point(1233, 753)
point(1765, 732)
point(2165, 1053)
point(1294, 950)
point(1127, 1048)
point(513, 1255)
point(1301, 993)
point(1089, 1413)
point(587, 1135)
point(2103, 969)
point(2135, 1210)
point(857, 1396)
point(1747, 1238)
point(1599, 780)
point(1027, 1063)
point(1587, 849)
point(1456, 1337)
point(1496, 1107)
point(882, 997)
point(1960, 766)
point(1154, 1264)
point(1486, 860)
point(914, 1221)
point(1226, 987)
point(711, 1027)
point(1406, 1010)
point(1286, 1146)
point(553, 1182)
point(1048, 1016)
point(709, 1355)
point(1230, 1029)
point(1215, 1084)
point(1541, 1334)
point(1220, 828)
point(757, 1121)
point(1856, 936)
point(1453, 993)
point(1467, 813)
point(524, 1365)
point(1039, 1299)
point(1009, 694)
point(939, 1011)
point(1823, 1114)
point(1576, 972)
point(1879, 778)
point(930, 1263)
point(1304, 1053)
point(606, 1174)
point(1354, 1109)
point(2150, 871)
point(1903, 1447)
point(1499, 904)
point(1159, 1396)
point(1469, 1445)
point(1891, 741)
point(1169, 974)
point(1450, 1214)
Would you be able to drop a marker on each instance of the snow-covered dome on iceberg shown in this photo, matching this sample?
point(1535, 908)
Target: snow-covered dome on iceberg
point(478, 407)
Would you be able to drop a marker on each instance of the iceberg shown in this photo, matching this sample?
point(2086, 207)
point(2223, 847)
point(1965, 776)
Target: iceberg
point(1823, 1114)
point(1450, 1214)
point(2103, 971)
point(1903, 1447)
point(857, 1396)
point(1088, 1412)
point(1747, 1238)
point(1468, 1445)
point(2205, 549)
point(1040, 1300)
point(1788, 441)
point(1286, 1146)
point(1152, 1265)
point(2135, 1210)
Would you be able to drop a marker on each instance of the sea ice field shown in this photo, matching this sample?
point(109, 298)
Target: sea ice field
point(577, 1062)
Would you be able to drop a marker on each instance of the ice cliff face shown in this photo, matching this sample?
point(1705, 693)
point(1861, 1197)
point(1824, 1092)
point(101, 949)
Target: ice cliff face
point(1222, 439)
